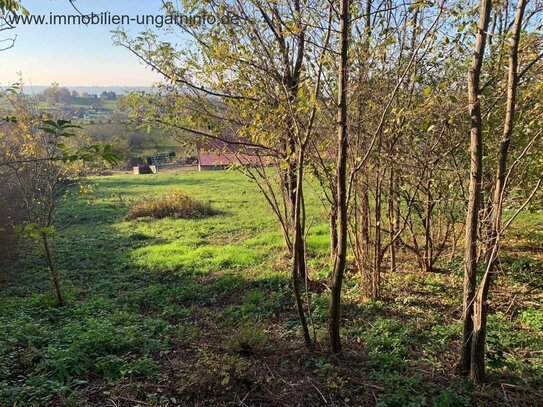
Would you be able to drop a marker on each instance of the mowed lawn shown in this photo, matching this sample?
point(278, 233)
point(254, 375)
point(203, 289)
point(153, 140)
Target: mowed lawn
point(176, 312)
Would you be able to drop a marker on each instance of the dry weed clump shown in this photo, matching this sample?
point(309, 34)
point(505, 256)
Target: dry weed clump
point(175, 205)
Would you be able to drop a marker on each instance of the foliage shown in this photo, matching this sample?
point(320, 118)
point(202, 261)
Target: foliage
point(388, 344)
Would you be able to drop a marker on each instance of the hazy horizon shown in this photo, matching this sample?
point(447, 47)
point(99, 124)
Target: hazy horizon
point(91, 89)
point(61, 85)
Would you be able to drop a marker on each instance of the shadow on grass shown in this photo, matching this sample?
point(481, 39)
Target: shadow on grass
point(122, 316)
point(150, 319)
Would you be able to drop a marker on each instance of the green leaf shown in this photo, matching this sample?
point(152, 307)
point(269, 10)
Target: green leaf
point(225, 380)
point(110, 155)
point(51, 123)
point(49, 230)
point(48, 130)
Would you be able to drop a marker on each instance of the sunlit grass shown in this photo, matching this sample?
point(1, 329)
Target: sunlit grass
point(177, 257)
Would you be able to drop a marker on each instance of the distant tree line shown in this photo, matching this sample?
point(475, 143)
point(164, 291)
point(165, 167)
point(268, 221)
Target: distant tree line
point(62, 95)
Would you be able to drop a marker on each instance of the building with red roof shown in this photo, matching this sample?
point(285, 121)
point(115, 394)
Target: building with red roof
point(219, 154)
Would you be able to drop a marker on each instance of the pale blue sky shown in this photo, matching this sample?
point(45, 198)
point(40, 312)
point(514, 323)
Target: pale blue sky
point(76, 55)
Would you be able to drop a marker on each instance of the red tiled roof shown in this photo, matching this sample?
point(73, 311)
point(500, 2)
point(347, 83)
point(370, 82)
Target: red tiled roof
point(220, 145)
point(221, 153)
point(211, 159)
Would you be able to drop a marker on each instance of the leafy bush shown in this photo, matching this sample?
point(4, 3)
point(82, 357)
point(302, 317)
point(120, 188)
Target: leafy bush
point(175, 205)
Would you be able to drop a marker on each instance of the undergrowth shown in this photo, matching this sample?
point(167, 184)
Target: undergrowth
point(180, 312)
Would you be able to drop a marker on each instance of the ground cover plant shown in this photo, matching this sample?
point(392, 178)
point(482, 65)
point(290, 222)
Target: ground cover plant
point(176, 311)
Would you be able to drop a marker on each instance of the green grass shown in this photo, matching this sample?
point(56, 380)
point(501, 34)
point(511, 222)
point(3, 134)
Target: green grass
point(175, 256)
point(202, 311)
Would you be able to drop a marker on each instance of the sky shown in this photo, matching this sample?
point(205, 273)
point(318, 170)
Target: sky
point(76, 55)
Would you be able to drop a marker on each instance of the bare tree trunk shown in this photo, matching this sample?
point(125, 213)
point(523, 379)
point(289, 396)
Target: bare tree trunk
point(397, 208)
point(341, 184)
point(368, 18)
point(53, 275)
point(428, 242)
point(476, 175)
point(481, 305)
point(298, 260)
point(333, 231)
point(485, 227)
point(454, 242)
point(365, 233)
point(392, 218)
point(377, 258)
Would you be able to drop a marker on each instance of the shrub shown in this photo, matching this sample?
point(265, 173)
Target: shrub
point(175, 205)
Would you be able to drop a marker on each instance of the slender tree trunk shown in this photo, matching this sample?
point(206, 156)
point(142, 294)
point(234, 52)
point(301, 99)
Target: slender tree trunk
point(485, 228)
point(481, 305)
point(333, 231)
point(392, 218)
point(476, 174)
point(377, 243)
point(397, 208)
point(365, 233)
point(295, 197)
point(341, 184)
point(53, 275)
point(298, 260)
point(364, 195)
point(428, 243)
point(368, 18)
point(300, 249)
point(453, 249)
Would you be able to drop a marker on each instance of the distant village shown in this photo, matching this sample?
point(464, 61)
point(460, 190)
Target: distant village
point(84, 108)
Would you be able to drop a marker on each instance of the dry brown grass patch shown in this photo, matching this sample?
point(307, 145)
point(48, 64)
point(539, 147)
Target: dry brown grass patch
point(175, 205)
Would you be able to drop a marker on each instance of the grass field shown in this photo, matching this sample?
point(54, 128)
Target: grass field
point(200, 312)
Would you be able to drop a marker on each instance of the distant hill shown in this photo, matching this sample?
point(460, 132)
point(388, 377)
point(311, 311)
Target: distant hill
point(97, 90)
